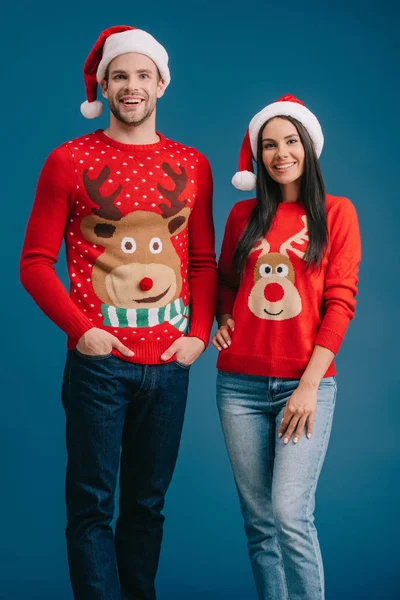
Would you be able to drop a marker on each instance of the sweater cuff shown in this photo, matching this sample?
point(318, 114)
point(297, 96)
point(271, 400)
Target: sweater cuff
point(199, 331)
point(327, 338)
point(77, 326)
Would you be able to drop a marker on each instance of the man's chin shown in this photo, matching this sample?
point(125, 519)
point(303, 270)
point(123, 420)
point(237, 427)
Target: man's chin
point(131, 120)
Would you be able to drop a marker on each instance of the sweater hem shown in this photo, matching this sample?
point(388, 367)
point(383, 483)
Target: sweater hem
point(284, 367)
point(145, 353)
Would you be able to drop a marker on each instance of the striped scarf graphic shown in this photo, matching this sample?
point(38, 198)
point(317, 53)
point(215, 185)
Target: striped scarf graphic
point(175, 313)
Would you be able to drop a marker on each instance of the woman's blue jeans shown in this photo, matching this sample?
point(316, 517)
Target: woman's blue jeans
point(111, 403)
point(276, 482)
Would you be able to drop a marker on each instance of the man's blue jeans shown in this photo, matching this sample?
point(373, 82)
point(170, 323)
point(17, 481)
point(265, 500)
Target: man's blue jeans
point(276, 483)
point(109, 404)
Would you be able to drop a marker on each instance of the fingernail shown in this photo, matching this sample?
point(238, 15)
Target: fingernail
point(296, 439)
point(285, 441)
point(131, 353)
point(229, 343)
point(308, 435)
point(279, 435)
point(225, 346)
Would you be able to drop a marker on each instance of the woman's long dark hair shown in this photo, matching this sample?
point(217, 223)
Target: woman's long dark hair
point(312, 195)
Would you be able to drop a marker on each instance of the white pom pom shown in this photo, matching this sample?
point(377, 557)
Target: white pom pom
point(244, 180)
point(91, 110)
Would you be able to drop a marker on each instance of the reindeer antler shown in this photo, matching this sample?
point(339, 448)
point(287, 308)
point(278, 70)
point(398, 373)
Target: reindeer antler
point(299, 238)
point(107, 208)
point(180, 180)
point(263, 245)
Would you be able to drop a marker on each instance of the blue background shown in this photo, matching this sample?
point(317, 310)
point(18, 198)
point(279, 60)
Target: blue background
point(227, 60)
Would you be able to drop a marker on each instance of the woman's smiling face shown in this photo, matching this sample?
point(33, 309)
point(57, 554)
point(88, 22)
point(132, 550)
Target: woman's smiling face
point(283, 152)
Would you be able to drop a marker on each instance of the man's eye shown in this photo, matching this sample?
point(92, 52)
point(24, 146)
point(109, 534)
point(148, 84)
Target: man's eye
point(144, 75)
point(119, 76)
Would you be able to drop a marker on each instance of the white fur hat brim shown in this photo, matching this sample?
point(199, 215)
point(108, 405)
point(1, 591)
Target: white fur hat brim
point(289, 109)
point(134, 40)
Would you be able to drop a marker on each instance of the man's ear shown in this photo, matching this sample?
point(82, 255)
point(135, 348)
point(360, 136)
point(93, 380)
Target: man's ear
point(160, 88)
point(104, 88)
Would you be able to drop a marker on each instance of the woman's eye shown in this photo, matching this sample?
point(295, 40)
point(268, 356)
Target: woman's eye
point(293, 141)
point(156, 245)
point(128, 245)
point(266, 146)
point(265, 270)
point(282, 270)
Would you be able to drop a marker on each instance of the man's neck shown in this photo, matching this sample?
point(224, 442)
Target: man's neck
point(143, 134)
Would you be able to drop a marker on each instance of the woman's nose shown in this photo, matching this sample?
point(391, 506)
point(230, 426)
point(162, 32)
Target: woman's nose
point(282, 151)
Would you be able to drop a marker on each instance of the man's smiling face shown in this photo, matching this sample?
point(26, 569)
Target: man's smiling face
point(132, 87)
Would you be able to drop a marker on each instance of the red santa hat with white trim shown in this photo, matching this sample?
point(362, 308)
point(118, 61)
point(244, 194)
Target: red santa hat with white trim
point(288, 105)
point(112, 42)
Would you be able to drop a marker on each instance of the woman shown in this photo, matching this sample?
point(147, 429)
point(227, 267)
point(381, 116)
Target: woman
point(287, 283)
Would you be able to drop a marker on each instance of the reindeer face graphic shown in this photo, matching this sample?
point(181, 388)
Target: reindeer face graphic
point(274, 295)
point(139, 267)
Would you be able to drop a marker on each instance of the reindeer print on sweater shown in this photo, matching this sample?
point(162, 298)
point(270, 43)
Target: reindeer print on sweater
point(139, 271)
point(274, 295)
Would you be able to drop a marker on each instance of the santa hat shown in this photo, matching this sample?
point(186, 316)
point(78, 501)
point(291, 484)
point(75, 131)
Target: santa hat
point(289, 106)
point(112, 42)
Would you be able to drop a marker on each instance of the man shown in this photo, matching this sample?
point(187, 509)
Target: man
point(134, 209)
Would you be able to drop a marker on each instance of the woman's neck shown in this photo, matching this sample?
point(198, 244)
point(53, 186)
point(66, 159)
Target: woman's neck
point(290, 191)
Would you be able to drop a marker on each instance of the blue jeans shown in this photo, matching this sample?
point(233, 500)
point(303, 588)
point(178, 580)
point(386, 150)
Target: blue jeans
point(109, 404)
point(276, 483)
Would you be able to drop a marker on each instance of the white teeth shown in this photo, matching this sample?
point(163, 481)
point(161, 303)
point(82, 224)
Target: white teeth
point(284, 167)
point(131, 101)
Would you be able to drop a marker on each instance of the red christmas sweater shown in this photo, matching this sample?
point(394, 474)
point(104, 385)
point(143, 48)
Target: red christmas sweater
point(139, 236)
point(281, 310)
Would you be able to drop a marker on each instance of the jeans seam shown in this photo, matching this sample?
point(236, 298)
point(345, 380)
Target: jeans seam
point(272, 427)
point(92, 357)
point(313, 490)
point(181, 365)
point(68, 386)
point(143, 380)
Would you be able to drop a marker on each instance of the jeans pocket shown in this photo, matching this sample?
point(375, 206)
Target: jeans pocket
point(327, 382)
point(327, 390)
point(181, 365)
point(92, 357)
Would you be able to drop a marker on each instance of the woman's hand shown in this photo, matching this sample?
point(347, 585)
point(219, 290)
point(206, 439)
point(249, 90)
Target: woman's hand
point(300, 409)
point(222, 338)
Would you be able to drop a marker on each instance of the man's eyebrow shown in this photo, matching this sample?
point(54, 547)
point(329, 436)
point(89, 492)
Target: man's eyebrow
point(118, 71)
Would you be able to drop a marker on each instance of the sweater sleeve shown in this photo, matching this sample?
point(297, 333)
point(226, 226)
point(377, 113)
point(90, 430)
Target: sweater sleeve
point(227, 276)
point(43, 239)
point(202, 263)
point(341, 277)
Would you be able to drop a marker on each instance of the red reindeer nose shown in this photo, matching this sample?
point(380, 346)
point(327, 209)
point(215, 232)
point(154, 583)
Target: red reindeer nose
point(273, 292)
point(146, 284)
